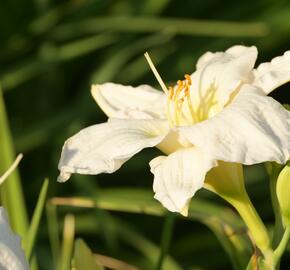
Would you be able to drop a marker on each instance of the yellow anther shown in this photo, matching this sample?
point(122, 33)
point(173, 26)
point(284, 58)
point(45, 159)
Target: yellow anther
point(186, 91)
point(188, 78)
point(180, 83)
point(171, 92)
point(176, 97)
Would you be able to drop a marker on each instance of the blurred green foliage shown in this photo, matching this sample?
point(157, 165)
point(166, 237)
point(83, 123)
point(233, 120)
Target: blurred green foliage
point(52, 51)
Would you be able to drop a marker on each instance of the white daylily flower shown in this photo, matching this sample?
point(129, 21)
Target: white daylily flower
point(11, 254)
point(219, 113)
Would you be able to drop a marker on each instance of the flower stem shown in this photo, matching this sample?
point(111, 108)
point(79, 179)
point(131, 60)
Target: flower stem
point(254, 223)
point(282, 246)
point(227, 181)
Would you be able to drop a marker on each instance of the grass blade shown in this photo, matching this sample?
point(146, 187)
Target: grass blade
point(165, 239)
point(153, 24)
point(67, 244)
point(148, 250)
point(226, 225)
point(84, 258)
point(53, 232)
point(11, 191)
point(33, 228)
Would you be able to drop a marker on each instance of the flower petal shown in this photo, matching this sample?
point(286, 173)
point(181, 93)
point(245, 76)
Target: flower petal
point(222, 72)
point(236, 51)
point(254, 128)
point(178, 176)
point(11, 254)
point(130, 102)
point(273, 74)
point(105, 147)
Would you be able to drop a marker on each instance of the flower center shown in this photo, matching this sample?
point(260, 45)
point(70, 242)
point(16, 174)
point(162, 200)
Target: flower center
point(185, 105)
point(175, 100)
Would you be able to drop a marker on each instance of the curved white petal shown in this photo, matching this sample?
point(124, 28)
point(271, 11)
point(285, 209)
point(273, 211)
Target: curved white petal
point(271, 75)
point(105, 147)
point(178, 176)
point(121, 101)
point(241, 51)
point(205, 58)
point(254, 128)
point(219, 74)
point(235, 51)
point(11, 254)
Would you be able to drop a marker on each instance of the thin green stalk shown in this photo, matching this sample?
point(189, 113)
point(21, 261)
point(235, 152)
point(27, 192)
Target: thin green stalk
point(258, 233)
point(257, 229)
point(53, 229)
point(11, 168)
point(227, 181)
point(165, 239)
point(282, 246)
point(153, 24)
point(33, 228)
point(278, 228)
point(68, 241)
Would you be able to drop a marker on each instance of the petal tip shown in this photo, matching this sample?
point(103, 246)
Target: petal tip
point(94, 90)
point(63, 177)
point(184, 211)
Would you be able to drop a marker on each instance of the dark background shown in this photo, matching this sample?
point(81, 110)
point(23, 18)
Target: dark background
point(52, 51)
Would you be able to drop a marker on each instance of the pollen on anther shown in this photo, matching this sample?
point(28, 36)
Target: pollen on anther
point(178, 94)
point(188, 78)
point(180, 83)
point(171, 92)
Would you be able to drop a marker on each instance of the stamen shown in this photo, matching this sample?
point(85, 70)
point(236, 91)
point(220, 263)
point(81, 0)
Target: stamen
point(190, 106)
point(174, 96)
point(188, 78)
point(176, 111)
point(169, 97)
point(177, 104)
point(156, 74)
point(171, 92)
point(179, 88)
